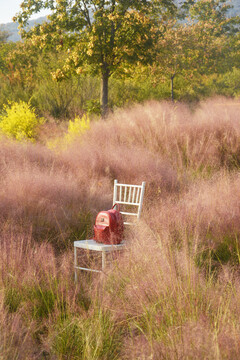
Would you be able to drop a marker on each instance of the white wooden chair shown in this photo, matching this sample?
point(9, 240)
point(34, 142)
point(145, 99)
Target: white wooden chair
point(130, 199)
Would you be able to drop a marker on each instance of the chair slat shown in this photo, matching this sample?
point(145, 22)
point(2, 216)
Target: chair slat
point(127, 203)
point(125, 194)
point(120, 193)
point(127, 213)
point(130, 185)
point(129, 194)
point(133, 196)
point(128, 223)
point(138, 195)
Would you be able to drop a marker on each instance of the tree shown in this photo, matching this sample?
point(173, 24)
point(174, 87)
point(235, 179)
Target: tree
point(205, 43)
point(99, 34)
point(4, 50)
point(4, 35)
point(20, 63)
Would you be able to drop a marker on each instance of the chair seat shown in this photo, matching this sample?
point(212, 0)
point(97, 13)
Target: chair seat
point(93, 245)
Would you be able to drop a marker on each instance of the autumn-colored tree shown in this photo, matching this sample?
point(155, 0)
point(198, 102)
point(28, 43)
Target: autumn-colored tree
point(99, 34)
point(20, 65)
point(5, 48)
point(205, 43)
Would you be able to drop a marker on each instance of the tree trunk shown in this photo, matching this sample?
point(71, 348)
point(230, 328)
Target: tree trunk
point(104, 93)
point(172, 87)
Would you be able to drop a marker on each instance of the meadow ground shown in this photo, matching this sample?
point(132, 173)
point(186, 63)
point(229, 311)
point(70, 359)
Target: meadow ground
point(175, 293)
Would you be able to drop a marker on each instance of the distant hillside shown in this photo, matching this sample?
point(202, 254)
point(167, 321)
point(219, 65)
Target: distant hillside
point(12, 28)
point(232, 12)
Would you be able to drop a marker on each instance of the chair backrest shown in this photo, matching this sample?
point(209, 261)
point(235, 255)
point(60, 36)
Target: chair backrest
point(129, 197)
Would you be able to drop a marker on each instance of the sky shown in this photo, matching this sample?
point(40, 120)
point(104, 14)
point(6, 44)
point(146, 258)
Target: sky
point(8, 8)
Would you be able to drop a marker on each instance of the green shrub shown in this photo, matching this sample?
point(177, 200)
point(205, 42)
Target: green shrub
point(68, 340)
point(19, 121)
point(95, 337)
point(12, 298)
point(93, 107)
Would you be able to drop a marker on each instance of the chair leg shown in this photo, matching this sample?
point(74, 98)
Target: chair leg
point(75, 263)
point(103, 259)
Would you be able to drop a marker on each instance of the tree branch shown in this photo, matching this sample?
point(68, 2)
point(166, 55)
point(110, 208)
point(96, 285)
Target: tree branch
point(86, 14)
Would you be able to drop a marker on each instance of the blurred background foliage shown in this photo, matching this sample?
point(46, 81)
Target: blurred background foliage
point(201, 54)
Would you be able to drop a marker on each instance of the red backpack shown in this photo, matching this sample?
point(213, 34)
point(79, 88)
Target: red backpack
point(108, 228)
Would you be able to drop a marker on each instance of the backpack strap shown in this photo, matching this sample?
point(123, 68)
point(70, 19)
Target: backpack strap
point(117, 206)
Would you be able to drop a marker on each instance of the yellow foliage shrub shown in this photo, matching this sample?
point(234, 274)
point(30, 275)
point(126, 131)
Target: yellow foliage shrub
point(19, 121)
point(77, 127)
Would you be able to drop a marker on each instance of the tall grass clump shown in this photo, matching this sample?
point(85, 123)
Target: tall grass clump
point(95, 337)
point(41, 192)
point(171, 309)
point(15, 337)
point(202, 141)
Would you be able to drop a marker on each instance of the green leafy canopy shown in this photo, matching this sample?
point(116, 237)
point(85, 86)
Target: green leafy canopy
point(98, 33)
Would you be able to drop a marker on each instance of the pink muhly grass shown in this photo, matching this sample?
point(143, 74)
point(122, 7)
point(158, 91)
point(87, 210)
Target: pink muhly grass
point(15, 337)
point(31, 271)
point(208, 137)
point(208, 214)
point(149, 270)
point(18, 155)
point(128, 165)
point(23, 260)
point(37, 191)
point(167, 306)
point(213, 207)
point(46, 201)
point(171, 310)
